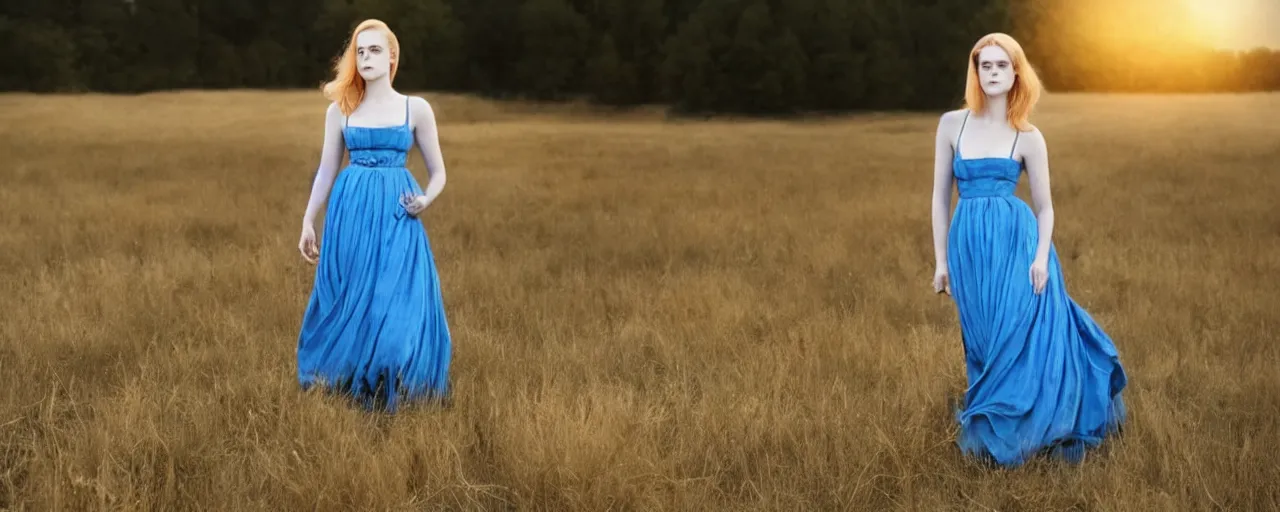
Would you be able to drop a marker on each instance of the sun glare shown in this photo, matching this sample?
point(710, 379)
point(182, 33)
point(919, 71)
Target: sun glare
point(1216, 22)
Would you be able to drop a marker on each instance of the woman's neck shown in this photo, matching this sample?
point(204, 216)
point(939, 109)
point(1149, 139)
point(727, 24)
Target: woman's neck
point(378, 90)
point(997, 108)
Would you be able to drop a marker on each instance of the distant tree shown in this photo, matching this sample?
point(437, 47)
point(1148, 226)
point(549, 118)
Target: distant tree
point(836, 76)
point(491, 45)
point(635, 31)
point(609, 80)
point(692, 80)
point(44, 60)
point(554, 43)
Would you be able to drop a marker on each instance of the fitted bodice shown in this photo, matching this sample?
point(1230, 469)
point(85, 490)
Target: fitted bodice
point(986, 177)
point(378, 147)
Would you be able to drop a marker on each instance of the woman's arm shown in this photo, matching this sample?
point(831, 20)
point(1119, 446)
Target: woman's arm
point(942, 188)
point(330, 158)
point(1036, 155)
point(428, 139)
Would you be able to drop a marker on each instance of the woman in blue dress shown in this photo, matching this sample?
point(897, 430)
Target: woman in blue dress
point(1042, 376)
point(375, 325)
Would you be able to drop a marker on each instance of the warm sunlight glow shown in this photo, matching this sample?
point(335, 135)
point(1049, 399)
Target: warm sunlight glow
point(1212, 19)
point(1228, 24)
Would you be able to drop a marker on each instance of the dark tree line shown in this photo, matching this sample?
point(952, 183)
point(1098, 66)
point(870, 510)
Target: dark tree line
point(749, 56)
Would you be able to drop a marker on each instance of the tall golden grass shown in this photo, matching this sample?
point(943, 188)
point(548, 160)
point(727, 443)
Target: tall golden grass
point(648, 314)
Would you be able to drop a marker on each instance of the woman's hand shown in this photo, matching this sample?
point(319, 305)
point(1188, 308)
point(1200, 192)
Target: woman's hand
point(1039, 275)
point(941, 280)
point(413, 204)
point(307, 244)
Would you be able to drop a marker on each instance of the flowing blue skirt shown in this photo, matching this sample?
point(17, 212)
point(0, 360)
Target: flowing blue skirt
point(375, 325)
point(1043, 377)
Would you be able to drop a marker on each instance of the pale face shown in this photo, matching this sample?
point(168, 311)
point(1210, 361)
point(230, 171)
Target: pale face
point(995, 70)
point(373, 57)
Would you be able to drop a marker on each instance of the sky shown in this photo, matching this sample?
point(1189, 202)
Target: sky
point(1238, 24)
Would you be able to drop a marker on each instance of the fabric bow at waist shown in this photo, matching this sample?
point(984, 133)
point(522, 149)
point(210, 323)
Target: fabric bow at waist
point(378, 158)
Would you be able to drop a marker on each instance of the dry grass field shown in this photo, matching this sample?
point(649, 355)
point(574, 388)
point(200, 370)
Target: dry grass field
point(649, 314)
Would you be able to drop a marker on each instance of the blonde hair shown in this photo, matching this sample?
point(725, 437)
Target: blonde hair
point(347, 86)
point(1026, 83)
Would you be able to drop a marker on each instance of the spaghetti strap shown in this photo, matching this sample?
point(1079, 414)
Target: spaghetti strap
point(1017, 133)
point(961, 134)
point(406, 110)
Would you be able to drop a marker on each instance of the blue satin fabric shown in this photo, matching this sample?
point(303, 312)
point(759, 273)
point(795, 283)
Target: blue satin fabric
point(1043, 377)
point(375, 326)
